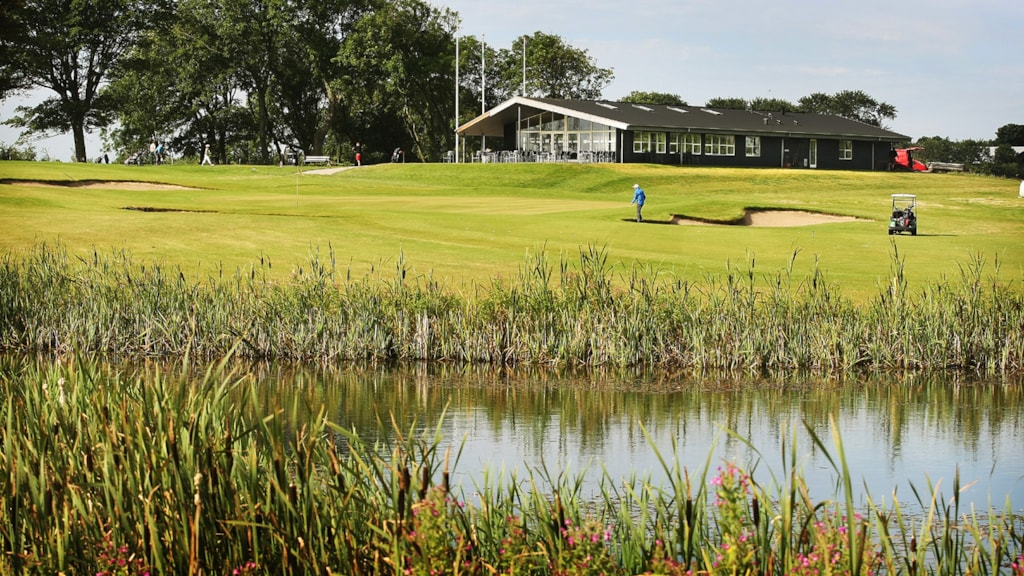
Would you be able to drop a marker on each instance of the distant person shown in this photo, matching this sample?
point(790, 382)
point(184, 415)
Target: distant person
point(106, 159)
point(396, 156)
point(639, 198)
point(892, 159)
point(160, 153)
point(152, 152)
point(359, 154)
point(206, 157)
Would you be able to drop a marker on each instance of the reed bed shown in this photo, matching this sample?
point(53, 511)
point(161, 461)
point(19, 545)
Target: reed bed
point(573, 312)
point(105, 472)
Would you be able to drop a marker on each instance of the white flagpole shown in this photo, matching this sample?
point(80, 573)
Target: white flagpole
point(483, 88)
point(458, 26)
point(524, 66)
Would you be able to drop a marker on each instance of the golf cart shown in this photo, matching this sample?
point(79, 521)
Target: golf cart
point(904, 214)
point(904, 160)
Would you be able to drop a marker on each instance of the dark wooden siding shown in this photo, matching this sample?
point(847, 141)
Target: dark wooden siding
point(776, 152)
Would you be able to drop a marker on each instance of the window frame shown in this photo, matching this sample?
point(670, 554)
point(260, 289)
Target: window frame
point(719, 145)
point(846, 149)
point(752, 146)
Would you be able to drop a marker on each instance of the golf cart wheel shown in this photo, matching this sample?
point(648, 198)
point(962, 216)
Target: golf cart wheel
point(891, 231)
point(913, 232)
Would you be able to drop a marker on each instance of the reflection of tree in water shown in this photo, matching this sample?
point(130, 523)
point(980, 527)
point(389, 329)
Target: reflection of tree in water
point(575, 417)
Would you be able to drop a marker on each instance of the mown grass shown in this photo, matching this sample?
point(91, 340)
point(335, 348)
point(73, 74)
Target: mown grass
point(132, 473)
point(468, 225)
point(569, 312)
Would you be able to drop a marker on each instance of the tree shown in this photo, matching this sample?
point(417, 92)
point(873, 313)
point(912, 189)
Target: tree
point(401, 63)
point(554, 69)
point(70, 47)
point(852, 104)
point(12, 35)
point(638, 97)
point(728, 103)
point(1011, 135)
point(181, 82)
point(773, 105)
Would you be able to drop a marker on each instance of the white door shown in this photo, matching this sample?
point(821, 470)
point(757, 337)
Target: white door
point(813, 154)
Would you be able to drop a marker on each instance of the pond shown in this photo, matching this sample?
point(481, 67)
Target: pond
point(899, 432)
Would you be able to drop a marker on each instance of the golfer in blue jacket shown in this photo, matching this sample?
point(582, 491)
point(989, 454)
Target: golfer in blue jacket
point(638, 198)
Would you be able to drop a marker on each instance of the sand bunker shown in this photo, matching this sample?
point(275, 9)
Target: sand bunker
point(328, 171)
point(103, 184)
point(769, 219)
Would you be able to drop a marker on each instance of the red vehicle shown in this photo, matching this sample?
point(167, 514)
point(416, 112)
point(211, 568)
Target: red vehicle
point(904, 160)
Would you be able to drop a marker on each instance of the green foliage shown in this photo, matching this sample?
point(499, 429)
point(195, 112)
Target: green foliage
point(728, 103)
point(638, 97)
point(852, 104)
point(400, 67)
point(16, 152)
point(973, 154)
point(1010, 134)
point(555, 69)
point(582, 316)
point(114, 471)
point(773, 105)
point(70, 48)
point(1007, 163)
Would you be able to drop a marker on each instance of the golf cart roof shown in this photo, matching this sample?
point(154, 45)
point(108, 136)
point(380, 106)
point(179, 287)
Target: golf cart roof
point(904, 196)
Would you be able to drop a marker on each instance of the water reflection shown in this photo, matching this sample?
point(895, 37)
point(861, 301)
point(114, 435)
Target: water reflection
point(895, 430)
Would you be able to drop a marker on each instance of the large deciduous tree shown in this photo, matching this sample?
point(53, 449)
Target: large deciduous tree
point(1010, 134)
point(852, 104)
point(554, 69)
point(69, 48)
point(401, 61)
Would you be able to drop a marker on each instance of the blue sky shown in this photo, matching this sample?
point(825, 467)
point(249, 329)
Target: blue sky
point(951, 68)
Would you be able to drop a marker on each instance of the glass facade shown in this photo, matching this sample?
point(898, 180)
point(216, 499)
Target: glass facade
point(556, 133)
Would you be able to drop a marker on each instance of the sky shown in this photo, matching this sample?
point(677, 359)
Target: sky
point(951, 68)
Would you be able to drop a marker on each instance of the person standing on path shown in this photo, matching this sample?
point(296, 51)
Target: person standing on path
point(359, 154)
point(639, 198)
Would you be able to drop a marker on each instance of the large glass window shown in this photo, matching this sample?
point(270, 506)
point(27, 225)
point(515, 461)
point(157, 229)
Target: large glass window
point(682, 143)
point(551, 132)
point(753, 145)
point(650, 142)
point(719, 145)
point(846, 150)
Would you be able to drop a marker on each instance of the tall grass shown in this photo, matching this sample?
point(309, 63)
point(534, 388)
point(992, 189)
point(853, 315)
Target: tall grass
point(132, 473)
point(574, 312)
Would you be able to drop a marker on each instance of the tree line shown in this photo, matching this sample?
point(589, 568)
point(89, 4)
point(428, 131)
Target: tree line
point(257, 80)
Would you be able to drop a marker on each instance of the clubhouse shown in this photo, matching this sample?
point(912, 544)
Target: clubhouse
point(549, 129)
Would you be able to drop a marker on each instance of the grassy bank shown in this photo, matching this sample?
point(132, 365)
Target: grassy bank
point(467, 225)
point(132, 473)
point(578, 312)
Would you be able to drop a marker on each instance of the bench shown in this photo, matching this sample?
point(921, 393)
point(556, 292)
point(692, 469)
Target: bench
point(317, 160)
